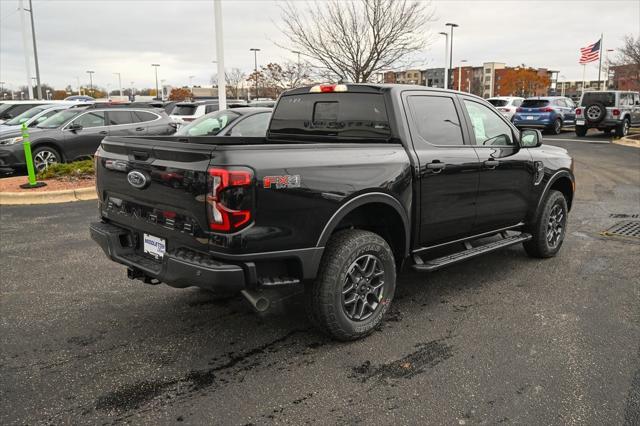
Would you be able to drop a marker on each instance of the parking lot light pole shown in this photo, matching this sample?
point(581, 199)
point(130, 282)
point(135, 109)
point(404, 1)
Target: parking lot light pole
point(119, 82)
point(222, 78)
point(156, 68)
point(452, 25)
point(25, 48)
point(255, 66)
point(35, 51)
point(91, 81)
point(446, 52)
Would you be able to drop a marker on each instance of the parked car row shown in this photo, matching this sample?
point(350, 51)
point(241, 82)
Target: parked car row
point(607, 111)
point(66, 131)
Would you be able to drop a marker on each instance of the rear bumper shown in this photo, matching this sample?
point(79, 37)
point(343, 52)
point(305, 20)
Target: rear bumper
point(542, 123)
point(182, 268)
point(606, 123)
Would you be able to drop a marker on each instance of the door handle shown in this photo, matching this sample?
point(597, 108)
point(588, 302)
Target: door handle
point(139, 129)
point(104, 132)
point(491, 164)
point(436, 167)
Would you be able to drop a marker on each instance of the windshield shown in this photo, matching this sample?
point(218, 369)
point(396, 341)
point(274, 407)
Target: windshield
point(535, 103)
point(209, 125)
point(498, 102)
point(606, 98)
point(25, 116)
point(184, 110)
point(59, 119)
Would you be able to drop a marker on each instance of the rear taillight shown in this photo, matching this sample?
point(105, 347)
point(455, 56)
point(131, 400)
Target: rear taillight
point(229, 203)
point(615, 112)
point(518, 109)
point(578, 111)
point(546, 109)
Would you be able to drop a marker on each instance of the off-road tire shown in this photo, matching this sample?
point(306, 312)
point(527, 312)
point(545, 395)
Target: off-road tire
point(324, 298)
point(622, 129)
point(581, 131)
point(539, 245)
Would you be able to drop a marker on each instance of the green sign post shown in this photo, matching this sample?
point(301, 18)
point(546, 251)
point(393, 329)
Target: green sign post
point(26, 144)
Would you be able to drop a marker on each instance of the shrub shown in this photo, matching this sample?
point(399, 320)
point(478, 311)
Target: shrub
point(69, 171)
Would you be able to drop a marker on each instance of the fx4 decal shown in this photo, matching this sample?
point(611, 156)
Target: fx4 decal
point(281, 182)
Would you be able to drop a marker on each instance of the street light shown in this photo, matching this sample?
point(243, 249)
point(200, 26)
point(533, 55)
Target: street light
point(446, 52)
point(606, 84)
point(91, 81)
point(460, 73)
point(119, 82)
point(255, 68)
point(156, 68)
point(452, 25)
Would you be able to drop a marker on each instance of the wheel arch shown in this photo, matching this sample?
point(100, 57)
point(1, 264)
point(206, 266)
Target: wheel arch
point(378, 212)
point(562, 181)
point(50, 143)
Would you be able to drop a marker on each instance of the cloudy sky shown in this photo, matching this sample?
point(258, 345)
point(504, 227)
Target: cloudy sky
point(126, 36)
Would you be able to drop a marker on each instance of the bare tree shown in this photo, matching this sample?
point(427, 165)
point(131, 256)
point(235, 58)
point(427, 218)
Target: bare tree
point(628, 58)
point(354, 40)
point(235, 78)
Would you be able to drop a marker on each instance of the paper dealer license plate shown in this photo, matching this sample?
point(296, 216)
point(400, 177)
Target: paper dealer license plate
point(155, 246)
point(580, 122)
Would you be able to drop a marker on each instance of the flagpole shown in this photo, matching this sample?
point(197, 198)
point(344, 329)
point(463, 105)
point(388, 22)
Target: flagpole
point(600, 64)
point(584, 70)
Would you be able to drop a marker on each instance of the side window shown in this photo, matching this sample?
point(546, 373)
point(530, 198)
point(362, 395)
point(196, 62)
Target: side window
point(117, 118)
point(569, 103)
point(90, 119)
point(560, 102)
point(436, 119)
point(142, 116)
point(488, 128)
point(256, 125)
point(210, 108)
point(624, 99)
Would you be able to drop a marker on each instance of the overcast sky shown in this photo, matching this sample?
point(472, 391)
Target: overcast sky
point(126, 36)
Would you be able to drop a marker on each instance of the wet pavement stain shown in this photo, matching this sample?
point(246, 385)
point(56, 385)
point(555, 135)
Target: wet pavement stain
point(134, 395)
point(427, 356)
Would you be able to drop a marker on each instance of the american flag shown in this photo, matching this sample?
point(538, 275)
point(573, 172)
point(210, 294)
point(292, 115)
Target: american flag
point(590, 53)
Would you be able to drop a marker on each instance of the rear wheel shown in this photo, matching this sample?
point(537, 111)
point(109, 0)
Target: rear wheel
point(355, 285)
point(44, 156)
point(556, 127)
point(622, 129)
point(581, 131)
point(550, 227)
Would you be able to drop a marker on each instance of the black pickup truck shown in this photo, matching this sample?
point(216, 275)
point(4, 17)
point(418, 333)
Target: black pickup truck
point(352, 183)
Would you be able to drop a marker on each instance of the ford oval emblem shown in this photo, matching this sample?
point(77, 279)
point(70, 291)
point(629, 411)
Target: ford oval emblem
point(137, 179)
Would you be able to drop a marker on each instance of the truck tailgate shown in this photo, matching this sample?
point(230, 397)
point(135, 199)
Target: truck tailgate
point(155, 186)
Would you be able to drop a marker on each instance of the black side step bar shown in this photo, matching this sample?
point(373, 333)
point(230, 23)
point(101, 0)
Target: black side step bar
point(469, 253)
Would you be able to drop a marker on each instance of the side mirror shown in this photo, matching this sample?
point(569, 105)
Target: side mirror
point(530, 138)
point(74, 127)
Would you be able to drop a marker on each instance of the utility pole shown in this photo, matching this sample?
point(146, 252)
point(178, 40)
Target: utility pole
point(35, 51)
point(25, 47)
point(156, 68)
point(222, 79)
point(91, 82)
point(255, 66)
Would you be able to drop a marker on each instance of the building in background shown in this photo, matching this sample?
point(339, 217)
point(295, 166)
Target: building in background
point(497, 79)
point(625, 77)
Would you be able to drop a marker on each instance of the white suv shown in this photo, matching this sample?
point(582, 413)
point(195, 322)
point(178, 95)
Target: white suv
point(507, 105)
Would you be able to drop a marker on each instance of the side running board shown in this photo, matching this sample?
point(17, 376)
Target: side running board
point(469, 253)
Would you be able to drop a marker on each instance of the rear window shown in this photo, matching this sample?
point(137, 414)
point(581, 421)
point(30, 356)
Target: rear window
point(535, 103)
point(498, 102)
point(142, 116)
point(184, 110)
point(339, 115)
point(606, 98)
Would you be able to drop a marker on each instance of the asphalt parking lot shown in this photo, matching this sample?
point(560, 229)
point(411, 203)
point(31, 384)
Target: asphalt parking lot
point(498, 339)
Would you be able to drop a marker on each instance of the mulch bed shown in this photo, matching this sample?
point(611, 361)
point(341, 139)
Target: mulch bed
point(12, 184)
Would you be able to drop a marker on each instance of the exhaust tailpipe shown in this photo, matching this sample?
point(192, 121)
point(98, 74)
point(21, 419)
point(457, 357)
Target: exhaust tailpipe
point(257, 300)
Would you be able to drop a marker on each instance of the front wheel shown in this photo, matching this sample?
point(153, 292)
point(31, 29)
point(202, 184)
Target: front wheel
point(355, 285)
point(549, 228)
point(45, 156)
point(581, 131)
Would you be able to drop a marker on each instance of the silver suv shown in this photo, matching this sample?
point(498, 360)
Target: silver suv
point(607, 111)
